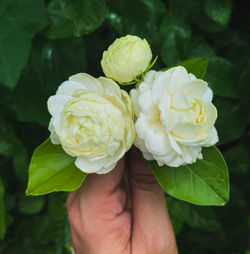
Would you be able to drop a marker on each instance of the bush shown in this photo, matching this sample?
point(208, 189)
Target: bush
point(44, 42)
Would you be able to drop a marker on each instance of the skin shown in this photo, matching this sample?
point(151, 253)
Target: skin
point(122, 212)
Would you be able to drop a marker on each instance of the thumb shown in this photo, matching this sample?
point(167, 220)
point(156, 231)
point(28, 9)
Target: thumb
point(97, 188)
point(152, 229)
point(141, 178)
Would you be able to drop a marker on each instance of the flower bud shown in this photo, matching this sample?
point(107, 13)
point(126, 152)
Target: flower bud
point(126, 58)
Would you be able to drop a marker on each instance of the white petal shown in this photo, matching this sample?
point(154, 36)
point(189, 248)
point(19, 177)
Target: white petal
point(211, 114)
point(150, 76)
point(213, 138)
point(141, 126)
point(156, 141)
point(191, 77)
point(174, 145)
point(88, 81)
point(164, 107)
point(196, 88)
point(90, 166)
point(207, 96)
point(58, 123)
point(110, 87)
point(160, 86)
point(180, 101)
point(106, 170)
point(176, 162)
point(54, 138)
point(145, 101)
point(69, 88)
point(57, 103)
point(148, 156)
point(179, 79)
point(140, 144)
point(185, 131)
point(134, 97)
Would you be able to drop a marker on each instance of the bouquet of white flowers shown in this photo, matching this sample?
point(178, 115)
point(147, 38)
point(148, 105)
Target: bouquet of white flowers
point(168, 115)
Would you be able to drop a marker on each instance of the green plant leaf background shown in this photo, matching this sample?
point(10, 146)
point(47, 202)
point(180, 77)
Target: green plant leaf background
point(44, 42)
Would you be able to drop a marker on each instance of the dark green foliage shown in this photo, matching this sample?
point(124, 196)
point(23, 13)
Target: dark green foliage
point(44, 42)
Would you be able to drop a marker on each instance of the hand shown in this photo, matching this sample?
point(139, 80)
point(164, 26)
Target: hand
point(122, 212)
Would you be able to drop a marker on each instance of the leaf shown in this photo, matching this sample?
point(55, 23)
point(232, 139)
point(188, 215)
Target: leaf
point(31, 205)
point(9, 143)
point(218, 11)
point(238, 158)
point(194, 216)
point(2, 212)
point(198, 47)
point(19, 22)
point(232, 115)
point(87, 15)
point(204, 182)
point(51, 169)
point(222, 77)
point(128, 17)
point(60, 26)
point(197, 66)
point(20, 164)
point(44, 73)
point(174, 36)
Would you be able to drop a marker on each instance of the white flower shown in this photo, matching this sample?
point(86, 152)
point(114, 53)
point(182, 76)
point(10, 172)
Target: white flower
point(93, 120)
point(126, 58)
point(175, 117)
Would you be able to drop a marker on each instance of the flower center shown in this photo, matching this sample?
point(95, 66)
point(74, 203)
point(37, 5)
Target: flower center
point(199, 112)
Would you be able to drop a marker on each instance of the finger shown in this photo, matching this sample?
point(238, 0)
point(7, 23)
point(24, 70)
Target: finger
point(98, 192)
point(96, 213)
point(152, 229)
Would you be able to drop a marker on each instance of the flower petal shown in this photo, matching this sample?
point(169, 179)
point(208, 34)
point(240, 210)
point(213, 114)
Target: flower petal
point(207, 96)
point(88, 81)
point(164, 107)
point(156, 141)
point(160, 86)
point(178, 79)
point(69, 88)
point(110, 87)
point(90, 166)
point(57, 103)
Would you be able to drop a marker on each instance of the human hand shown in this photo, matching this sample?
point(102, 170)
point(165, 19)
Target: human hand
point(122, 212)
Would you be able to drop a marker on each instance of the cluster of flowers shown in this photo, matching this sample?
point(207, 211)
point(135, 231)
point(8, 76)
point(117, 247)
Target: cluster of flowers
point(169, 116)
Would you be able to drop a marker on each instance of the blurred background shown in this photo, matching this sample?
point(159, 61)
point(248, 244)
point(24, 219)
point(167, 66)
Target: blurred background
point(44, 42)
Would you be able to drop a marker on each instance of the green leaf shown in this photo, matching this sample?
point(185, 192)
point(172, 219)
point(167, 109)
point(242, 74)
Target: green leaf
point(175, 34)
point(20, 164)
point(44, 73)
point(194, 216)
point(218, 11)
point(31, 205)
point(87, 15)
point(222, 77)
point(9, 143)
point(128, 17)
point(2, 212)
point(232, 114)
point(19, 22)
point(60, 26)
point(51, 169)
point(197, 66)
point(238, 158)
point(204, 182)
point(198, 47)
